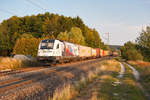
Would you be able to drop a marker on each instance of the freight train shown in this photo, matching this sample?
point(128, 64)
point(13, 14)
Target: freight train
point(57, 51)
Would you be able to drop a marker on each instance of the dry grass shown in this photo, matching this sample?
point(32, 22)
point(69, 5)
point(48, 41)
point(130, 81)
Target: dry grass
point(7, 63)
point(69, 91)
point(144, 69)
point(141, 63)
point(94, 96)
point(110, 66)
point(107, 86)
point(10, 63)
point(114, 88)
point(65, 93)
point(101, 86)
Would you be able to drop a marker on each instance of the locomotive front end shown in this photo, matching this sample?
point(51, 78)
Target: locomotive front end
point(49, 50)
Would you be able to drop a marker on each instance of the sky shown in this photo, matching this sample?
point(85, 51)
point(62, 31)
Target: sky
point(122, 19)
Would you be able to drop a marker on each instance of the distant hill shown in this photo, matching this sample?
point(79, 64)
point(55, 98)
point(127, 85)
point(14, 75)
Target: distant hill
point(112, 47)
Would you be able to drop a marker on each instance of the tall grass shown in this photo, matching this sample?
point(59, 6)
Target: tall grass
point(65, 93)
point(10, 63)
point(110, 66)
point(71, 90)
point(144, 69)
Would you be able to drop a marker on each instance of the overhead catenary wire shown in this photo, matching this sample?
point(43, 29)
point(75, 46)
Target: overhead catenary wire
point(7, 11)
point(36, 4)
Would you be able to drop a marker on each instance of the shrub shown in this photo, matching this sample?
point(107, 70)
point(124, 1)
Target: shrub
point(133, 55)
point(10, 63)
point(129, 52)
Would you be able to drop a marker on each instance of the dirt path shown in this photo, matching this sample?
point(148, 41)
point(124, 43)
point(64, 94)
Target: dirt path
point(137, 77)
point(135, 72)
point(122, 72)
point(116, 82)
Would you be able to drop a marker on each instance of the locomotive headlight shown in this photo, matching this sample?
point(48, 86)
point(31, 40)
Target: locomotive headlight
point(39, 52)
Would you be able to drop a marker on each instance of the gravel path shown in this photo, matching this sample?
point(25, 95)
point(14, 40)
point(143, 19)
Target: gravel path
point(122, 71)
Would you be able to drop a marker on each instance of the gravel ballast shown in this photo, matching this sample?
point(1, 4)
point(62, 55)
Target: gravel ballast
point(41, 84)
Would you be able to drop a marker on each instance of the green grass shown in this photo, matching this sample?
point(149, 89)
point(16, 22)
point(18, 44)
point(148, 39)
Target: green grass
point(105, 85)
point(127, 89)
point(144, 70)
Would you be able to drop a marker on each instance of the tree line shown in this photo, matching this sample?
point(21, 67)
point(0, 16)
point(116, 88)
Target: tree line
point(140, 50)
point(47, 25)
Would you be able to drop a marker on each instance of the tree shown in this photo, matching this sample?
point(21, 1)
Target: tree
point(129, 52)
point(26, 36)
point(144, 51)
point(63, 36)
point(143, 43)
point(47, 25)
point(23, 46)
point(50, 25)
point(75, 36)
point(92, 38)
point(48, 36)
point(144, 38)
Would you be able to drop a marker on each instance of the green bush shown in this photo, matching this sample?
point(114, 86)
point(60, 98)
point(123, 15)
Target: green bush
point(133, 55)
point(129, 52)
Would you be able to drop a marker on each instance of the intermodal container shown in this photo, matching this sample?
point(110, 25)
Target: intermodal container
point(85, 51)
point(97, 52)
point(93, 52)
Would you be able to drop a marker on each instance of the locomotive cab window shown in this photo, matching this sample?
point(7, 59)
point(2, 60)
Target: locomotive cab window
point(47, 44)
point(57, 46)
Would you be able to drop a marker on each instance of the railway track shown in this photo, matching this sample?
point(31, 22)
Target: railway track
point(11, 72)
point(20, 81)
point(11, 82)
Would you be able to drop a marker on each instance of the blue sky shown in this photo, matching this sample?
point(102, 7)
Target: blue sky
point(123, 19)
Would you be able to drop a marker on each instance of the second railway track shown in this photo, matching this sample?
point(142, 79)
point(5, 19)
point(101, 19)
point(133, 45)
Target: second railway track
point(22, 79)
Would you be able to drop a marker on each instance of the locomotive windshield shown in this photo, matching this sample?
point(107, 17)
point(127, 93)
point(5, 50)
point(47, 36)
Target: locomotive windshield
point(47, 44)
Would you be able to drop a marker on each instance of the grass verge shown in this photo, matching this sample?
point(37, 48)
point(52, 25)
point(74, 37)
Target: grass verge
point(144, 70)
point(69, 91)
point(113, 88)
point(10, 63)
point(102, 84)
